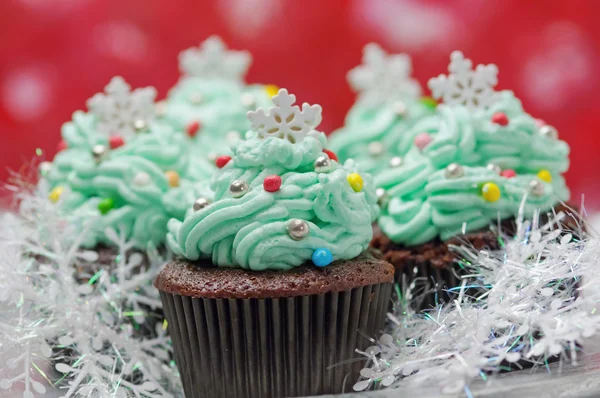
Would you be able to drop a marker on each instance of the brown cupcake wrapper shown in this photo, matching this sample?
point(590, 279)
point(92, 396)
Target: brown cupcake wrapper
point(279, 347)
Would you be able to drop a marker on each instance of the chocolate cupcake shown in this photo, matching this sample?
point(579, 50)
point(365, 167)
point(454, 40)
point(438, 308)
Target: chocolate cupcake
point(276, 290)
point(485, 163)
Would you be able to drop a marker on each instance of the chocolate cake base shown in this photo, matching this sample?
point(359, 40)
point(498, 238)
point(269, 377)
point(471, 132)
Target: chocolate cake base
point(240, 333)
point(433, 267)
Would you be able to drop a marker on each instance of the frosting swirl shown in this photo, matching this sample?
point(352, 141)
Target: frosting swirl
point(251, 231)
point(425, 203)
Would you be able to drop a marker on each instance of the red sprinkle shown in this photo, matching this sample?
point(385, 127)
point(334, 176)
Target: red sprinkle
point(222, 161)
point(508, 173)
point(331, 154)
point(116, 141)
point(500, 118)
point(192, 128)
point(62, 145)
point(272, 183)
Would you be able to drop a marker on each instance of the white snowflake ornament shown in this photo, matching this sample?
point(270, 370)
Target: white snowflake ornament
point(383, 77)
point(286, 120)
point(213, 60)
point(464, 86)
point(122, 111)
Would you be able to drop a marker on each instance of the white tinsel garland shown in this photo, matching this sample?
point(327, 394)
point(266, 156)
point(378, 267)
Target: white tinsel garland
point(525, 305)
point(57, 331)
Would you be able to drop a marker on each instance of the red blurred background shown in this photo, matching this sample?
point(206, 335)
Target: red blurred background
point(57, 53)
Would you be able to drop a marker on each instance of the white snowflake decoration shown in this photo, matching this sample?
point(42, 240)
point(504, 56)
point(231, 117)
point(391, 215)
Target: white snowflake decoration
point(465, 86)
point(384, 77)
point(122, 111)
point(213, 60)
point(286, 120)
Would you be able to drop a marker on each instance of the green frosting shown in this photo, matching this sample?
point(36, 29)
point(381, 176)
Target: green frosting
point(219, 105)
point(130, 184)
point(380, 123)
point(251, 231)
point(422, 203)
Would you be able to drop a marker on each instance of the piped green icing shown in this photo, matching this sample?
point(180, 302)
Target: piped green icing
point(368, 123)
point(251, 231)
point(127, 189)
point(424, 204)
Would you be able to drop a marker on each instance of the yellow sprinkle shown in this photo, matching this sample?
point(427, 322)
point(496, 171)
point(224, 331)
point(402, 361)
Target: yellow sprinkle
point(55, 194)
point(490, 192)
point(545, 175)
point(356, 182)
point(271, 90)
point(173, 178)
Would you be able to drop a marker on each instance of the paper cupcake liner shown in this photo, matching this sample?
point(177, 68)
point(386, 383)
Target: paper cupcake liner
point(280, 347)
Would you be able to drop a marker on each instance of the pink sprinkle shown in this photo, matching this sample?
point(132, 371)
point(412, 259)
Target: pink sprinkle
point(422, 140)
point(508, 173)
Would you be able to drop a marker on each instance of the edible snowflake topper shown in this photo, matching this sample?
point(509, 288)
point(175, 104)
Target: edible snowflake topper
point(465, 86)
point(383, 77)
point(122, 111)
point(213, 59)
point(286, 120)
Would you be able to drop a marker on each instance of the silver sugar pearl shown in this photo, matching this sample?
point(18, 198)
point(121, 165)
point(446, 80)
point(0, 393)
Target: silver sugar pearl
point(396, 161)
point(376, 148)
point(399, 109)
point(323, 164)
point(298, 229)
point(238, 188)
point(99, 153)
point(381, 195)
point(536, 187)
point(494, 168)
point(212, 157)
point(142, 179)
point(233, 137)
point(549, 131)
point(195, 98)
point(45, 168)
point(248, 100)
point(200, 204)
point(454, 170)
point(139, 125)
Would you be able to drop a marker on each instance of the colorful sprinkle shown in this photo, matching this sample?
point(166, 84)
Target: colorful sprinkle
point(62, 145)
point(322, 257)
point(271, 90)
point(173, 178)
point(222, 161)
point(55, 194)
point(331, 154)
point(500, 118)
point(272, 183)
point(422, 140)
point(544, 175)
point(193, 128)
point(116, 141)
point(490, 192)
point(508, 173)
point(429, 102)
point(356, 182)
point(106, 205)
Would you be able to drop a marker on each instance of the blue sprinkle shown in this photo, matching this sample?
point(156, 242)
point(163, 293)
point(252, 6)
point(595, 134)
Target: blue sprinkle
point(322, 257)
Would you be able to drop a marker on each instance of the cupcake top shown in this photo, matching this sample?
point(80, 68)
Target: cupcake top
point(279, 200)
point(120, 168)
point(389, 103)
point(485, 160)
point(211, 99)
